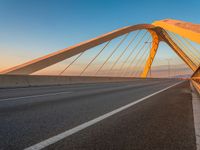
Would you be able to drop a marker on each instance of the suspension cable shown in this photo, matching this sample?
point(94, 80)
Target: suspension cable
point(185, 48)
point(150, 69)
point(140, 58)
point(141, 62)
point(132, 52)
point(95, 57)
point(190, 55)
point(142, 51)
point(186, 57)
point(153, 68)
point(71, 63)
point(194, 48)
point(123, 52)
point(112, 53)
point(131, 63)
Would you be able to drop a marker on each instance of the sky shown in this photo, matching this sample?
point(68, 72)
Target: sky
point(33, 28)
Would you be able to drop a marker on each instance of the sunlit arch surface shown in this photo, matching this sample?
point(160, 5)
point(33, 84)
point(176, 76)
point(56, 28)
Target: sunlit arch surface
point(184, 29)
point(156, 30)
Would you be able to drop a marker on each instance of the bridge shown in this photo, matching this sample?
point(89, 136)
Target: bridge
point(110, 99)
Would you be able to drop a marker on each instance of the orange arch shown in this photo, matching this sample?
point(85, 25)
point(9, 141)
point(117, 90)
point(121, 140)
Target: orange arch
point(48, 60)
point(158, 34)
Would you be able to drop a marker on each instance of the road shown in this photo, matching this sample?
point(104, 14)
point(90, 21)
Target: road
point(163, 120)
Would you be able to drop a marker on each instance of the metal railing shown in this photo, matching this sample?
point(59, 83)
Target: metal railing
point(196, 79)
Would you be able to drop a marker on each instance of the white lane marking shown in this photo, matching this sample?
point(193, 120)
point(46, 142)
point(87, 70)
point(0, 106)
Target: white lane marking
point(49, 94)
point(196, 114)
point(33, 96)
point(78, 128)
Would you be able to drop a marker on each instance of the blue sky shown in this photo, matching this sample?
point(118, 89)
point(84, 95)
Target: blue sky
point(31, 28)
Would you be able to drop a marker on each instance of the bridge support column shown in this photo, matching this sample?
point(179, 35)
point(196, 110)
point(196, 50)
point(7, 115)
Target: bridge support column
point(155, 43)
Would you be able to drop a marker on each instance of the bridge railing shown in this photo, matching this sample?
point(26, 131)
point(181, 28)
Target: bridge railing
point(196, 79)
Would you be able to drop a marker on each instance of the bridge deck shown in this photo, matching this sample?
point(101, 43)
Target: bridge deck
point(163, 121)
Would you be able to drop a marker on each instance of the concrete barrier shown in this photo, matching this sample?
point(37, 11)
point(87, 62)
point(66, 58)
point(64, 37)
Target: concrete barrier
point(13, 81)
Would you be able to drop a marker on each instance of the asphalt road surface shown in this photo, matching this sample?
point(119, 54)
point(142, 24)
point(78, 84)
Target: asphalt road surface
point(163, 121)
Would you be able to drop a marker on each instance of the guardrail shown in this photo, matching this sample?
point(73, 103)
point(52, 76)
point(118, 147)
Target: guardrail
point(196, 79)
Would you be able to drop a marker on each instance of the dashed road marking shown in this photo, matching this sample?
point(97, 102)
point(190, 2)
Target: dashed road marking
point(33, 96)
